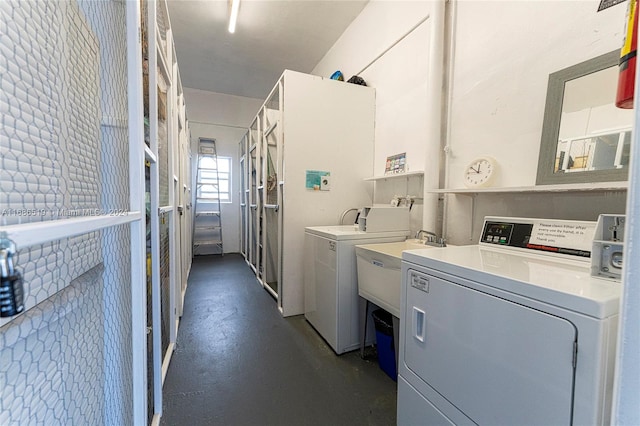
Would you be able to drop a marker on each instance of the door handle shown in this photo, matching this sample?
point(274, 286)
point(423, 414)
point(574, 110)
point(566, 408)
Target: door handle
point(418, 322)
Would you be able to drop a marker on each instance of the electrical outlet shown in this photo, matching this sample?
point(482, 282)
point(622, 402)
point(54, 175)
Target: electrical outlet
point(325, 183)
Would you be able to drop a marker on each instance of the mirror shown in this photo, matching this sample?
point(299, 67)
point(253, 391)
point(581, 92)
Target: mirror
point(585, 138)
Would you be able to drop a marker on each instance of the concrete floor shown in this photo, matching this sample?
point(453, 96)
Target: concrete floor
point(239, 362)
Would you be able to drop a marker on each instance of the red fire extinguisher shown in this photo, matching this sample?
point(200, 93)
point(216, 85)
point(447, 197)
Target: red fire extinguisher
point(627, 76)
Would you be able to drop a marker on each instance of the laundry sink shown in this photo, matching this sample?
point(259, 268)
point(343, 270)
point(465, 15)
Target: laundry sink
point(379, 272)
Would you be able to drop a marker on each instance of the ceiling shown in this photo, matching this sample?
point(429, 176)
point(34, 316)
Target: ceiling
point(270, 36)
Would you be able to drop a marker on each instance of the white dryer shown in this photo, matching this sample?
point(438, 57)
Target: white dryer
point(331, 302)
point(511, 331)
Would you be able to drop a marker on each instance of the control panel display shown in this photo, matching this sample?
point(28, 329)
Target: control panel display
point(563, 237)
point(507, 234)
point(498, 233)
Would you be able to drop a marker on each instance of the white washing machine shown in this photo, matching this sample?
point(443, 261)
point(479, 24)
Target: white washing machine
point(331, 302)
point(511, 331)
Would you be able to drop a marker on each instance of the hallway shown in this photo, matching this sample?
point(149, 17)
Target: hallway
point(238, 362)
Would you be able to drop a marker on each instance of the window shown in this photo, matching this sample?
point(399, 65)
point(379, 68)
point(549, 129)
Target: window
point(214, 179)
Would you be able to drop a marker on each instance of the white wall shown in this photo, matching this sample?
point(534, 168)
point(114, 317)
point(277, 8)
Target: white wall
point(224, 118)
point(221, 109)
point(390, 45)
point(501, 67)
point(502, 57)
point(504, 53)
point(399, 76)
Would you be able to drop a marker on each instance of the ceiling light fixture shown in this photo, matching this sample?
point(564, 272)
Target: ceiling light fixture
point(235, 5)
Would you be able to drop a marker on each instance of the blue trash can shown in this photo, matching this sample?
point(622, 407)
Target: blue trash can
point(384, 340)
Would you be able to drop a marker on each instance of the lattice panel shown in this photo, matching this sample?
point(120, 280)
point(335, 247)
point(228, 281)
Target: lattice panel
point(31, 82)
point(163, 23)
point(165, 282)
point(163, 147)
point(64, 145)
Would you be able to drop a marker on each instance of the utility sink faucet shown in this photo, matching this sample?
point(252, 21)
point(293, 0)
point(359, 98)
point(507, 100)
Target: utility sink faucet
point(432, 239)
point(430, 235)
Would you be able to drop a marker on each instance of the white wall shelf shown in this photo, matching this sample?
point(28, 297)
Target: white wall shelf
point(573, 187)
point(395, 176)
point(474, 203)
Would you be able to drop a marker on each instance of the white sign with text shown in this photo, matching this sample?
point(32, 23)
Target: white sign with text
point(565, 234)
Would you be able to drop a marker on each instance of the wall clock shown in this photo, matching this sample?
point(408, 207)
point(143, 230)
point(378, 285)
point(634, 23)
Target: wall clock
point(480, 173)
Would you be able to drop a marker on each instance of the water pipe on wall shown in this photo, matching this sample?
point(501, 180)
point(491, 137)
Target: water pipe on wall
point(434, 114)
point(451, 10)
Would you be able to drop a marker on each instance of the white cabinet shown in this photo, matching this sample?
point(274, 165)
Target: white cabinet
point(332, 305)
point(308, 127)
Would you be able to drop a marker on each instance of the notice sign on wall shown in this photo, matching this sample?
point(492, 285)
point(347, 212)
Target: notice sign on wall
point(396, 164)
point(605, 4)
point(313, 179)
point(565, 234)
